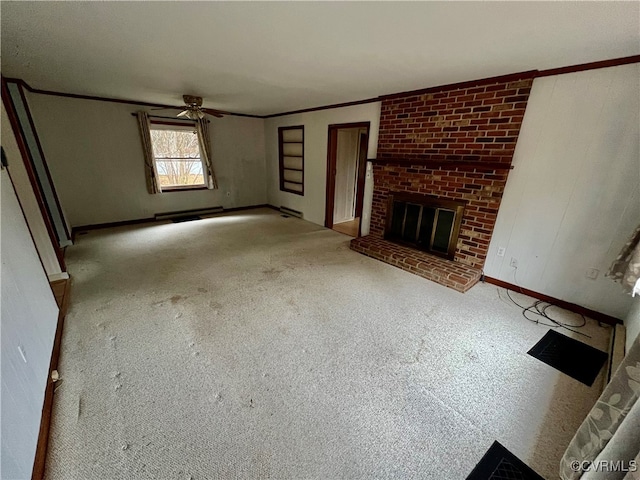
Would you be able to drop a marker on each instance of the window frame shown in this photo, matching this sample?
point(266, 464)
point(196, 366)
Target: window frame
point(171, 126)
point(281, 156)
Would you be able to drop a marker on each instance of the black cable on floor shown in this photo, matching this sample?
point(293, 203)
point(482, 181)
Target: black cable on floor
point(539, 308)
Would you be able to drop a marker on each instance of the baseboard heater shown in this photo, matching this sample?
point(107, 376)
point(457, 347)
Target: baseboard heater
point(290, 211)
point(184, 213)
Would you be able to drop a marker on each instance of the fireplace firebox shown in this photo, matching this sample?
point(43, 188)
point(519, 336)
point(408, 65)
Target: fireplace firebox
point(425, 222)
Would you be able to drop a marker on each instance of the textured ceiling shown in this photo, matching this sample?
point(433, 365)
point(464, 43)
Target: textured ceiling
point(270, 57)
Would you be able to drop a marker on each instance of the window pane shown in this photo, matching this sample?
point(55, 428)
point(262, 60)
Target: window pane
point(426, 226)
point(411, 222)
point(397, 219)
point(443, 230)
point(177, 155)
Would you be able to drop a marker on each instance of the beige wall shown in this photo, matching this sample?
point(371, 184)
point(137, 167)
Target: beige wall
point(316, 128)
point(94, 154)
point(27, 199)
point(573, 196)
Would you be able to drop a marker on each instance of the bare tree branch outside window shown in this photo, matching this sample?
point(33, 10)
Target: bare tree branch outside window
point(177, 155)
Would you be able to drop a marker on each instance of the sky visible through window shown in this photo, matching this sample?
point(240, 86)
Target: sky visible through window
point(177, 156)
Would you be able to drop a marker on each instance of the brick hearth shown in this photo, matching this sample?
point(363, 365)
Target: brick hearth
point(454, 143)
point(451, 274)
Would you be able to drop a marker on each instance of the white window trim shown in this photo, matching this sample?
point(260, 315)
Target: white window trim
point(177, 126)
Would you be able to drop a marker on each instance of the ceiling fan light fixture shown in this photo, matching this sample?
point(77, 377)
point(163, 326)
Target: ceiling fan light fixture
point(192, 100)
point(191, 113)
point(193, 109)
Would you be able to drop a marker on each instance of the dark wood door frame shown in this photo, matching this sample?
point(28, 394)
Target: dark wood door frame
point(332, 150)
point(35, 185)
point(363, 148)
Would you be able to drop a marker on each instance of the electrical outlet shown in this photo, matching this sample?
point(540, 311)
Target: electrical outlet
point(592, 273)
point(514, 262)
point(501, 251)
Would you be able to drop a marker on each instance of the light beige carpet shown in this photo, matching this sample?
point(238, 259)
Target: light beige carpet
point(255, 346)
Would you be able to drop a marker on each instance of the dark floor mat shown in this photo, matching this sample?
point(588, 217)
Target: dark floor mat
point(570, 356)
point(500, 464)
point(185, 219)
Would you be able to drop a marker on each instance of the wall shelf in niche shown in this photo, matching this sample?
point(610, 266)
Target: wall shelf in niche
point(291, 153)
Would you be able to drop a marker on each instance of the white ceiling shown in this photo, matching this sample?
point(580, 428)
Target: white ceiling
point(270, 57)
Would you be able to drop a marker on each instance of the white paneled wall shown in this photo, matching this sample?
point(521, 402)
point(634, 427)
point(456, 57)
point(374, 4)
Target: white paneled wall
point(573, 197)
point(29, 318)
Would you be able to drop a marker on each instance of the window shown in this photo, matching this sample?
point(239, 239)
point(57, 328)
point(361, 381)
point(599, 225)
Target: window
point(177, 157)
point(291, 143)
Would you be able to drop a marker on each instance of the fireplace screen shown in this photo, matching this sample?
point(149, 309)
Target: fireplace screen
point(427, 223)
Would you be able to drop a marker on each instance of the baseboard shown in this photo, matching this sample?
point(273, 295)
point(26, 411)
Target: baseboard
point(587, 312)
point(99, 226)
point(250, 207)
point(122, 223)
point(54, 277)
point(47, 407)
point(291, 212)
point(191, 212)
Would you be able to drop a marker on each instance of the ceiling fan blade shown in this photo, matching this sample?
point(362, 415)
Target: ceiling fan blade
point(168, 107)
point(215, 113)
point(187, 112)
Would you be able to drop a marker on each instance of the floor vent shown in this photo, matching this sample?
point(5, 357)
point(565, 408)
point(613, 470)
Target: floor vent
point(289, 211)
point(184, 213)
point(572, 357)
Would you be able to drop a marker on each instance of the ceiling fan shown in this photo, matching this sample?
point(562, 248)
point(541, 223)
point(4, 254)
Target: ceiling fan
point(193, 108)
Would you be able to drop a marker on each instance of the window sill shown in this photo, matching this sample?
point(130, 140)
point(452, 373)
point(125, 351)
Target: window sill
point(184, 189)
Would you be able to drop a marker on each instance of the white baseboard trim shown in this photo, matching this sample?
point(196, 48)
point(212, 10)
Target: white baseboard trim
point(58, 276)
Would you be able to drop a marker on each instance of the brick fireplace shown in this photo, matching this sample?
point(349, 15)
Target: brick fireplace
point(454, 144)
